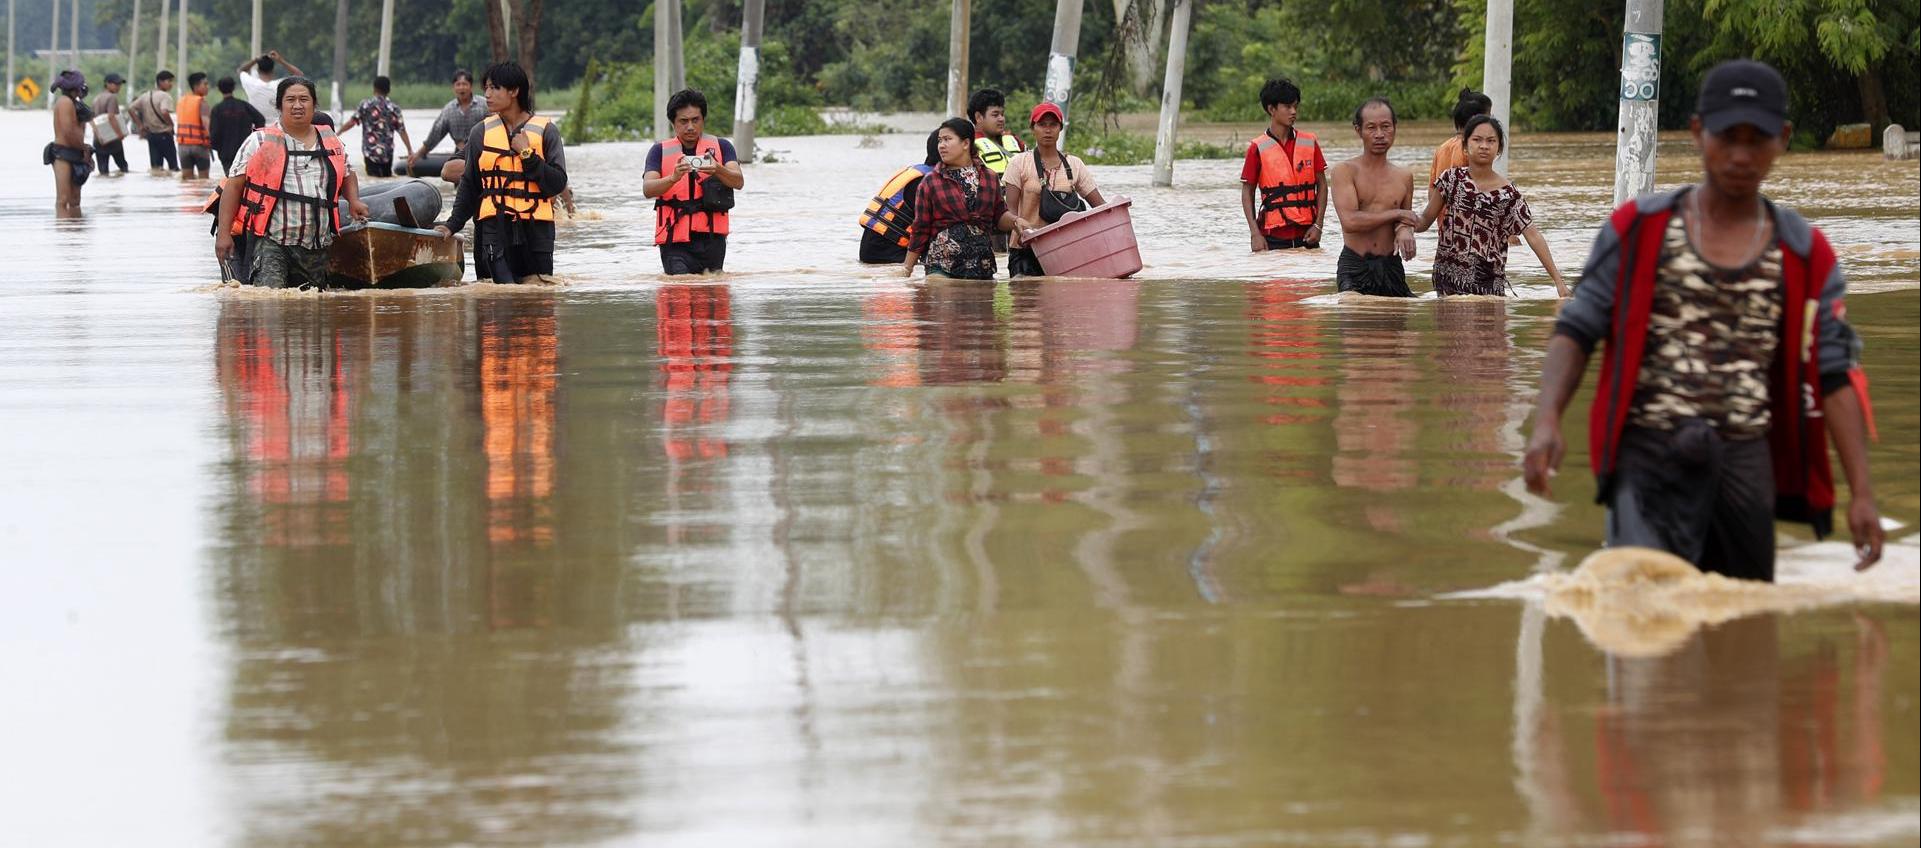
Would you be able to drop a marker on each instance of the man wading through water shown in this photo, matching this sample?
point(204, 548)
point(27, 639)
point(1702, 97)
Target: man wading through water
point(1375, 200)
point(1728, 360)
point(692, 178)
point(515, 168)
point(1284, 168)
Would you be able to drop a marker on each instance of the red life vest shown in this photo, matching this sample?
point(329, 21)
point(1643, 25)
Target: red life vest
point(188, 128)
point(267, 172)
point(677, 215)
point(886, 213)
point(1290, 189)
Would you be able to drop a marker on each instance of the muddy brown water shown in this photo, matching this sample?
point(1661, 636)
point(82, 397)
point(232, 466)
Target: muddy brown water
point(807, 555)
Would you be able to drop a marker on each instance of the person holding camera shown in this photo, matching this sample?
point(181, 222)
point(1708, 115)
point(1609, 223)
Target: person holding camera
point(692, 178)
point(515, 169)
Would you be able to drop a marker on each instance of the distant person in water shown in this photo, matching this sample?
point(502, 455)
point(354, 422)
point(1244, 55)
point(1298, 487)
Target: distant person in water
point(1483, 210)
point(378, 119)
point(68, 153)
point(1729, 362)
point(1374, 199)
point(1044, 184)
point(233, 119)
point(993, 144)
point(1284, 168)
point(887, 224)
point(959, 205)
point(692, 178)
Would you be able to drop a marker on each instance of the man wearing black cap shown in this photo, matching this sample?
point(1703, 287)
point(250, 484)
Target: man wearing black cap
point(1728, 361)
point(109, 132)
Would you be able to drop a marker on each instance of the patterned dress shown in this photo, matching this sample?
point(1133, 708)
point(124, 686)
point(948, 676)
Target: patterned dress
point(964, 251)
point(1472, 256)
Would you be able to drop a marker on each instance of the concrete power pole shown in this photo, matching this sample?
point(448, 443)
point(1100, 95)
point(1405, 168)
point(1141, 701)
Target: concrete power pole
point(1059, 85)
point(957, 35)
point(253, 44)
point(662, 33)
point(1640, 100)
point(747, 89)
point(160, 44)
point(1164, 142)
point(382, 67)
point(340, 57)
point(180, 63)
point(53, 52)
point(73, 36)
point(133, 46)
point(1497, 67)
point(677, 49)
point(10, 76)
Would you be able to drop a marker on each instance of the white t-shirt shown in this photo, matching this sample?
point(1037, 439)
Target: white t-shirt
point(261, 94)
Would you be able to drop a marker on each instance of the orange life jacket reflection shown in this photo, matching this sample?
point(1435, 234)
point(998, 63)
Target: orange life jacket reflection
point(677, 214)
point(267, 174)
point(188, 129)
point(887, 214)
point(1289, 187)
point(504, 186)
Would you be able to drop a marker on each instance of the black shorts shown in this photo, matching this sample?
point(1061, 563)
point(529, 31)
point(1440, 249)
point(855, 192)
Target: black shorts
point(703, 253)
point(1703, 498)
point(1383, 276)
point(1289, 243)
point(380, 168)
point(1021, 262)
point(510, 253)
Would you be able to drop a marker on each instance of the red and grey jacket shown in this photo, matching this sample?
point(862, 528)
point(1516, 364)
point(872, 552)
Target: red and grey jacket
point(1818, 352)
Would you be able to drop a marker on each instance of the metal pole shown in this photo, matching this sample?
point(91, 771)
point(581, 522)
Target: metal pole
point(957, 58)
point(253, 44)
point(181, 62)
point(661, 92)
point(747, 90)
point(340, 56)
point(160, 44)
point(1634, 148)
point(1497, 65)
point(133, 45)
point(1059, 84)
point(383, 68)
point(1171, 93)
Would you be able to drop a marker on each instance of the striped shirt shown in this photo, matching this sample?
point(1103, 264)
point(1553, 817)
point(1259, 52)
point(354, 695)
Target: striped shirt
point(457, 122)
point(294, 224)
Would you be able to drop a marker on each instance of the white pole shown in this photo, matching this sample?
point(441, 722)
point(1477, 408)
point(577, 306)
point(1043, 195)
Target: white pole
point(661, 50)
point(1059, 85)
point(1497, 66)
point(1171, 93)
point(384, 68)
point(340, 59)
point(53, 52)
point(957, 35)
point(677, 46)
point(10, 77)
point(253, 45)
point(180, 63)
point(747, 86)
point(73, 36)
point(1634, 147)
point(133, 45)
point(160, 44)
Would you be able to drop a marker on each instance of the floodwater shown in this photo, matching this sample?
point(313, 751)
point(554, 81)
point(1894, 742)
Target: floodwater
point(807, 555)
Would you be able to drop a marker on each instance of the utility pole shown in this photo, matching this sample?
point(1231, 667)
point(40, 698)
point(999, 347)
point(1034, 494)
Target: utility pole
point(53, 52)
point(662, 33)
point(957, 58)
point(73, 36)
point(133, 46)
point(340, 56)
point(1171, 93)
point(253, 45)
point(676, 53)
point(747, 89)
point(160, 44)
point(1497, 67)
point(1059, 85)
point(1634, 147)
point(382, 67)
point(181, 63)
point(10, 76)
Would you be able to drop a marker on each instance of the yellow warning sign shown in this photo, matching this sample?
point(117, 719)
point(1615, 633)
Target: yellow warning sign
point(28, 90)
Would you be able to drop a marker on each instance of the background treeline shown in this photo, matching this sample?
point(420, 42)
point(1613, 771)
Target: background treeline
point(1847, 60)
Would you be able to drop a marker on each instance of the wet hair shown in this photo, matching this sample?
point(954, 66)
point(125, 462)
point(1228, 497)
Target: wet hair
point(933, 147)
point(1470, 104)
point(983, 100)
point(464, 74)
point(962, 129)
point(195, 79)
point(264, 64)
point(510, 76)
point(161, 77)
point(225, 85)
point(1376, 101)
point(684, 98)
point(1279, 92)
point(383, 85)
point(1474, 123)
point(280, 93)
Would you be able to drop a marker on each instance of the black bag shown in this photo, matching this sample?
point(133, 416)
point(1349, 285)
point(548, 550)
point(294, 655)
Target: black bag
point(715, 196)
point(1056, 204)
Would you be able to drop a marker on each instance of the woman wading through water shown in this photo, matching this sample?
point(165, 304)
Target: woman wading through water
point(956, 208)
point(1483, 211)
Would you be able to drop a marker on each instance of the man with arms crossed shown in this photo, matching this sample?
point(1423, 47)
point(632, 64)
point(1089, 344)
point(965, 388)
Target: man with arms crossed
point(1375, 202)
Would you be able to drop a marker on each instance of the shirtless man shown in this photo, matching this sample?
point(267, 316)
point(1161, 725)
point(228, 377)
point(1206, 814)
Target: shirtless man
point(1375, 201)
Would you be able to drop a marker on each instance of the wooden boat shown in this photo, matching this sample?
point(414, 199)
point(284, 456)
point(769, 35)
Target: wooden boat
point(390, 256)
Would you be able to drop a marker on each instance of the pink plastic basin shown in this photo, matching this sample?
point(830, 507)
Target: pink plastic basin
point(1096, 243)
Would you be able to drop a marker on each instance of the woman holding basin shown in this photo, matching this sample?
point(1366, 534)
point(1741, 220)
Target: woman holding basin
point(1043, 183)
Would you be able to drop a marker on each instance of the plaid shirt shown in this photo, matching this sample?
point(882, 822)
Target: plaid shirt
point(456, 122)
point(942, 203)
point(294, 224)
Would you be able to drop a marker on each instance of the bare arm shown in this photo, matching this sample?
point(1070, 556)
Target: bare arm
point(230, 189)
point(1560, 377)
point(1253, 222)
point(291, 69)
point(1433, 210)
point(1347, 204)
point(1404, 231)
point(1539, 243)
point(730, 174)
point(1847, 427)
point(907, 266)
point(1320, 201)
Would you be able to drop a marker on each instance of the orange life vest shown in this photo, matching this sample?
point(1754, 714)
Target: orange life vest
point(267, 172)
point(886, 213)
point(189, 130)
point(504, 187)
point(1289, 187)
point(677, 215)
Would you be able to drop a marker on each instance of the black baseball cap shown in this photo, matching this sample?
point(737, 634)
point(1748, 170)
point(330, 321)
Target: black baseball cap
point(113, 78)
point(1743, 91)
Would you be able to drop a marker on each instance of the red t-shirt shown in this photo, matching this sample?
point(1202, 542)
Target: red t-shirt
point(1251, 174)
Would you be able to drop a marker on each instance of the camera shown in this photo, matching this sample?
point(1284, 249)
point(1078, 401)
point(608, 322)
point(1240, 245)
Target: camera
point(698, 162)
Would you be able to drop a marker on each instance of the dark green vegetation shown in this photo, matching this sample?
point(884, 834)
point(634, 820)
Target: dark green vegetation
point(1847, 60)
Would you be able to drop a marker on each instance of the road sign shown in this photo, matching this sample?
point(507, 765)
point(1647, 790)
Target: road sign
point(28, 90)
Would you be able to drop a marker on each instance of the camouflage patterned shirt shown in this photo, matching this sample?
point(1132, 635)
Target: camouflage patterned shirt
point(1711, 340)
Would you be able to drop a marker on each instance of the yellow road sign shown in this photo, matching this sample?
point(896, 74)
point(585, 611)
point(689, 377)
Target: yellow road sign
point(28, 90)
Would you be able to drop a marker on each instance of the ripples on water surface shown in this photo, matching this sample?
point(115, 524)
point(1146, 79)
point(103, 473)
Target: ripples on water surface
point(805, 555)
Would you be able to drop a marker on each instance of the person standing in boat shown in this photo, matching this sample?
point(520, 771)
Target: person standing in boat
point(887, 224)
point(1043, 184)
point(516, 167)
point(68, 152)
point(958, 206)
point(284, 197)
point(692, 178)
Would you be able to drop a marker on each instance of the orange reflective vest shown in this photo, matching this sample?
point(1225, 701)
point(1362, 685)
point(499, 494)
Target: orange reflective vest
point(188, 128)
point(504, 186)
point(677, 214)
point(886, 214)
point(267, 172)
point(1290, 188)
